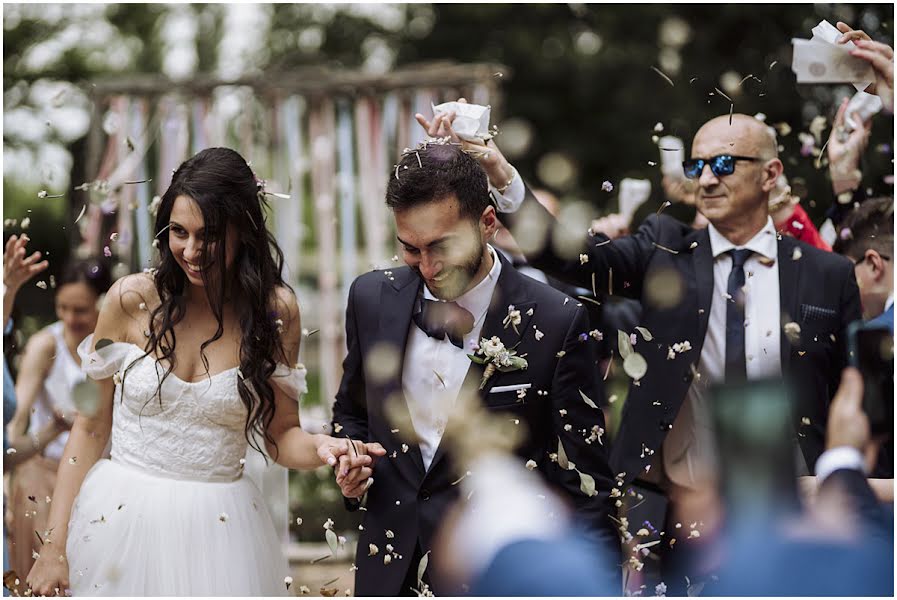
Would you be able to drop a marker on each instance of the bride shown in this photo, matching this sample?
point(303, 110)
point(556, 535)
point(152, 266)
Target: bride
point(192, 360)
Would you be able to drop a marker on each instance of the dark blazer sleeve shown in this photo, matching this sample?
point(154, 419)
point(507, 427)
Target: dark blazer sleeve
point(575, 422)
point(850, 311)
point(861, 501)
point(614, 262)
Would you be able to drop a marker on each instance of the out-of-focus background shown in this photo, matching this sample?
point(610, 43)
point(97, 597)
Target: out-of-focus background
point(320, 98)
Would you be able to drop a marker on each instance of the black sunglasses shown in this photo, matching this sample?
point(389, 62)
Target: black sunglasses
point(722, 164)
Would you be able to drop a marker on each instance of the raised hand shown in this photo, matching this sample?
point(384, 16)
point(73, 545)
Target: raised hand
point(880, 56)
point(17, 268)
point(845, 150)
point(487, 153)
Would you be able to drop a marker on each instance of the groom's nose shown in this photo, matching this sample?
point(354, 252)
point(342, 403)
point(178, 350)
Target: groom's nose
point(429, 267)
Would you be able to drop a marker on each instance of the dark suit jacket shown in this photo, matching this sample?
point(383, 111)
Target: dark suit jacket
point(411, 502)
point(818, 292)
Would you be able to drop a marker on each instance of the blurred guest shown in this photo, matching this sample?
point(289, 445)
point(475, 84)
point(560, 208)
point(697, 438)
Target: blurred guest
point(847, 533)
point(49, 371)
point(516, 537)
point(867, 238)
point(790, 218)
point(18, 269)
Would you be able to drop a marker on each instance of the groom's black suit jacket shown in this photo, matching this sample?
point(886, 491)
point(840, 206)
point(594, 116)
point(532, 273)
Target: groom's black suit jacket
point(411, 502)
point(817, 290)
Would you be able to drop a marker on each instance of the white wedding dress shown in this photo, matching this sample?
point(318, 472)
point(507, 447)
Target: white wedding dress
point(170, 513)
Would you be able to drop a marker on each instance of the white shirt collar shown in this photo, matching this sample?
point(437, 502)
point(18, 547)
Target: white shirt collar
point(889, 302)
point(764, 243)
point(478, 299)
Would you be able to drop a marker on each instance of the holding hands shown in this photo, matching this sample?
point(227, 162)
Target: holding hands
point(353, 461)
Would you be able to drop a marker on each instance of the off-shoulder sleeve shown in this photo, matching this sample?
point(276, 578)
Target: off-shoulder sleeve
point(290, 381)
point(103, 362)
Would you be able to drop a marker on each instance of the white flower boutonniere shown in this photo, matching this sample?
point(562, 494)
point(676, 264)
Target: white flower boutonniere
point(513, 318)
point(496, 357)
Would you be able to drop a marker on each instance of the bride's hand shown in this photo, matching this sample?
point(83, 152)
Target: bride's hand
point(50, 574)
point(344, 454)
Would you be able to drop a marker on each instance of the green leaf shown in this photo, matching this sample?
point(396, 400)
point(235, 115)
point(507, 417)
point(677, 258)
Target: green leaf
point(332, 540)
point(422, 567)
point(478, 360)
point(645, 333)
point(624, 344)
point(563, 461)
point(587, 484)
point(103, 343)
point(588, 400)
point(635, 366)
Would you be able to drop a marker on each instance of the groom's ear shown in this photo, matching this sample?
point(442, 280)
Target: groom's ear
point(488, 222)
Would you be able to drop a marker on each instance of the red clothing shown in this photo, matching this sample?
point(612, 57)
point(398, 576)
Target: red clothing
point(799, 226)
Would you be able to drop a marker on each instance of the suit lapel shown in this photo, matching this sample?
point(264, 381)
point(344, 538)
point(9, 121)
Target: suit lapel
point(789, 284)
point(703, 266)
point(397, 301)
point(510, 290)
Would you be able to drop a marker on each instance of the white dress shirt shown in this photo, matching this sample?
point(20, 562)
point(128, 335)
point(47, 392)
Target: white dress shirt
point(513, 197)
point(434, 370)
point(689, 449)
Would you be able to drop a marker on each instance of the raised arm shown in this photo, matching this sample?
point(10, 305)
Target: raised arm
point(36, 363)
point(550, 246)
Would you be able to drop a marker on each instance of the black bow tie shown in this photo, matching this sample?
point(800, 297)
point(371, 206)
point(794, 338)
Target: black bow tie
point(440, 319)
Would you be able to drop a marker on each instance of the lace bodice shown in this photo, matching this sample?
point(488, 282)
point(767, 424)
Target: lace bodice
point(195, 432)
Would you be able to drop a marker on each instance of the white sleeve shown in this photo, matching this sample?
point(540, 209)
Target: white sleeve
point(105, 361)
point(842, 457)
point(290, 381)
point(511, 200)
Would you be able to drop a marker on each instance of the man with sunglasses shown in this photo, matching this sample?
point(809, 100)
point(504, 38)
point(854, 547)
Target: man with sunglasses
point(749, 303)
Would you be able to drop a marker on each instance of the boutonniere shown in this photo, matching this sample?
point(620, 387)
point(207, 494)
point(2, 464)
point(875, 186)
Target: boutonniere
point(496, 357)
point(513, 318)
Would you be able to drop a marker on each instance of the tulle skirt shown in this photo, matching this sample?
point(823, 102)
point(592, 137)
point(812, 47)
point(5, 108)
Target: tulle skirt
point(134, 533)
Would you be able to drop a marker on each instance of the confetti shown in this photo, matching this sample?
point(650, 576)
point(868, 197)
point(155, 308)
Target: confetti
point(792, 332)
point(607, 186)
point(662, 74)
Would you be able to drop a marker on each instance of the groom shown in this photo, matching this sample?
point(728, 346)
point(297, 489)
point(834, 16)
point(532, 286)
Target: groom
point(409, 332)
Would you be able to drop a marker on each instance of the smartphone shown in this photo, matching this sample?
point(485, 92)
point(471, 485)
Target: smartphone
point(757, 449)
point(871, 350)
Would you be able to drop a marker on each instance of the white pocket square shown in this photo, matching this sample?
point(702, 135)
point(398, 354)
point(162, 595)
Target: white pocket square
point(510, 388)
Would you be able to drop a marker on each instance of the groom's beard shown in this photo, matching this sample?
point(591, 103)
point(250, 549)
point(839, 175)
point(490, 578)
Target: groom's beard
point(457, 278)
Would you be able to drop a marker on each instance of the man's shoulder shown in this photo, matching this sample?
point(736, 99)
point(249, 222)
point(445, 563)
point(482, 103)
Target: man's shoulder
point(544, 295)
point(800, 250)
point(395, 276)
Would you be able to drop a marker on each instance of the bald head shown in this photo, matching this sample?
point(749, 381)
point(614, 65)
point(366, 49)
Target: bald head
point(745, 135)
point(736, 202)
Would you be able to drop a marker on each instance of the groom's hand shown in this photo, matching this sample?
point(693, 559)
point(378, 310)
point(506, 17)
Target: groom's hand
point(356, 483)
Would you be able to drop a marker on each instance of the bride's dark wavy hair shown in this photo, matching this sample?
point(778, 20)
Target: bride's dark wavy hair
point(226, 191)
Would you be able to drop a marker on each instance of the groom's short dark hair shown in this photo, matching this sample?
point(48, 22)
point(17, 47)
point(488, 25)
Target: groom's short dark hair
point(435, 171)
